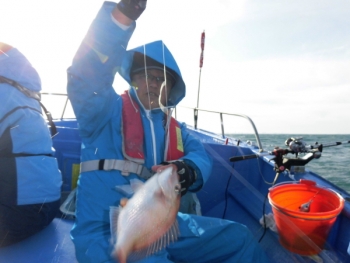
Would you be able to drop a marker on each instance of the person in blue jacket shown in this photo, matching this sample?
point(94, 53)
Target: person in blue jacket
point(30, 181)
point(129, 135)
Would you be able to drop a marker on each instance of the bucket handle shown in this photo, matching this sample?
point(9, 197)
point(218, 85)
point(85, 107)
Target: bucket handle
point(307, 182)
point(301, 181)
point(309, 219)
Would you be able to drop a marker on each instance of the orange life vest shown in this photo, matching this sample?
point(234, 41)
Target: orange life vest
point(132, 131)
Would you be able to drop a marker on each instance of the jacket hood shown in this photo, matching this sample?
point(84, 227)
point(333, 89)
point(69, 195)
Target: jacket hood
point(14, 65)
point(159, 52)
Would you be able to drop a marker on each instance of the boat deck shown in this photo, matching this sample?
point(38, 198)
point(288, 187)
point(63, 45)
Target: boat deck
point(235, 191)
point(53, 245)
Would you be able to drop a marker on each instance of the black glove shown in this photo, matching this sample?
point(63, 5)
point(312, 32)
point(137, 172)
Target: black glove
point(186, 174)
point(132, 8)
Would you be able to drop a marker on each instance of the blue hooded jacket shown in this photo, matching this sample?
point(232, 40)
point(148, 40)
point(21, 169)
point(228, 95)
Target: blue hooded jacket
point(29, 173)
point(98, 109)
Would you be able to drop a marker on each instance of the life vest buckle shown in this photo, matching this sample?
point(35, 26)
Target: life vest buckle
point(126, 168)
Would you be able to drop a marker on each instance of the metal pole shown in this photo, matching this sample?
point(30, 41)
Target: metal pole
point(200, 73)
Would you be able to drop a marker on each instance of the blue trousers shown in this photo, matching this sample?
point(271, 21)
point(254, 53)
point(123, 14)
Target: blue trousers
point(205, 239)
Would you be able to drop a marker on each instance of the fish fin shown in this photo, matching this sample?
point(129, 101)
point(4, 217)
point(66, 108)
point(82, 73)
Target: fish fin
point(114, 212)
point(129, 189)
point(137, 255)
point(169, 237)
point(136, 184)
point(125, 190)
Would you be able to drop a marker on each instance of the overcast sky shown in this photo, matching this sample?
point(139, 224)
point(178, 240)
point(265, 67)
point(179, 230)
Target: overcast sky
point(285, 64)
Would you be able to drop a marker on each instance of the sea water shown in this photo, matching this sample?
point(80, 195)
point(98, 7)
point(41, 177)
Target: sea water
point(334, 163)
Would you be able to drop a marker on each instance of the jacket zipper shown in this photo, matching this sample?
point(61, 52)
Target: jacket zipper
point(153, 136)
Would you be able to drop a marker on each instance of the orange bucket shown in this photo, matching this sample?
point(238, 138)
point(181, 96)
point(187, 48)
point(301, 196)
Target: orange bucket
point(304, 214)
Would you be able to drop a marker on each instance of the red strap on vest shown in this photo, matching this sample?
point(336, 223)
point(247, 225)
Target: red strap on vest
point(131, 126)
point(176, 149)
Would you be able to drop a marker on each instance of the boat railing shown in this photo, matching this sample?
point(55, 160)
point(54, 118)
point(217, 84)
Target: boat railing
point(195, 116)
point(58, 94)
point(221, 114)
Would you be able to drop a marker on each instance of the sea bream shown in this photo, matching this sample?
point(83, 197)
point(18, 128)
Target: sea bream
point(147, 223)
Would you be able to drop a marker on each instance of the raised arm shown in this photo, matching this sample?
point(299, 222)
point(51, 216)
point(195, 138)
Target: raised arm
point(94, 66)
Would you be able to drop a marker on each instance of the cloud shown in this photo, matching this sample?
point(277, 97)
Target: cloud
point(272, 60)
point(287, 29)
point(298, 94)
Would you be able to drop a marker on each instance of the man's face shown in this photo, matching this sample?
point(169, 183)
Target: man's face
point(148, 87)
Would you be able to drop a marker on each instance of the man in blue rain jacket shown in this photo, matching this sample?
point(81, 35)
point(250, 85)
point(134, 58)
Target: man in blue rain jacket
point(30, 182)
point(113, 152)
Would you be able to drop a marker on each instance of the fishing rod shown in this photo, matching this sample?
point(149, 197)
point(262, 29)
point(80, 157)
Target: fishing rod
point(295, 146)
point(329, 144)
point(201, 58)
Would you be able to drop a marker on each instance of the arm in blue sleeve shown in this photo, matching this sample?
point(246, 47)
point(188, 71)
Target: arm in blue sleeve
point(94, 66)
point(197, 158)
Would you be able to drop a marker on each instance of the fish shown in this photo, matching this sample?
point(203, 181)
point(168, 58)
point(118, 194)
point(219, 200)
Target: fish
point(147, 222)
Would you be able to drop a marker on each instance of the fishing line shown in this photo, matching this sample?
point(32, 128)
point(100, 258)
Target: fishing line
point(166, 109)
point(165, 82)
point(233, 172)
point(265, 198)
point(261, 174)
point(226, 193)
point(145, 65)
point(264, 202)
point(257, 158)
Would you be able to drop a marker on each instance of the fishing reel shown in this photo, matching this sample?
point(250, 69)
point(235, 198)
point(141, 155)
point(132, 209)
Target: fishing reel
point(282, 162)
point(297, 145)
